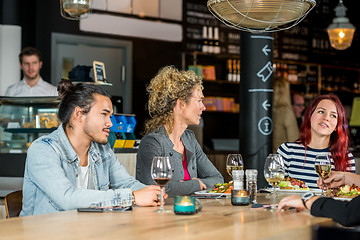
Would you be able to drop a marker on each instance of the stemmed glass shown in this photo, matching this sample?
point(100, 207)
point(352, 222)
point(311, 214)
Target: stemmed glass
point(234, 162)
point(323, 168)
point(161, 172)
point(274, 172)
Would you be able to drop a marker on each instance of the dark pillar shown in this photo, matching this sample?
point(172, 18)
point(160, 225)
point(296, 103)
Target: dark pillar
point(9, 12)
point(256, 101)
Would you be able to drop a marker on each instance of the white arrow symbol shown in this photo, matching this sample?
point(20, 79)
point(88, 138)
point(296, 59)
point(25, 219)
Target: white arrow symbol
point(266, 50)
point(266, 105)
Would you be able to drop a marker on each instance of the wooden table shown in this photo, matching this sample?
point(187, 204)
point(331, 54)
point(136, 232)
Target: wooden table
point(218, 220)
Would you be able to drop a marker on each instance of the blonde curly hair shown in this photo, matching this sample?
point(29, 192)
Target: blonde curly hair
point(164, 90)
point(281, 96)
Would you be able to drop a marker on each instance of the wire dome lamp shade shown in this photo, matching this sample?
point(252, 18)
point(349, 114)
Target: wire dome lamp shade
point(259, 16)
point(75, 9)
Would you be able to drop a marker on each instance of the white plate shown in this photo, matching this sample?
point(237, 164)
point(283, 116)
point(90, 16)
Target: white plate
point(342, 198)
point(294, 191)
point(206, 192)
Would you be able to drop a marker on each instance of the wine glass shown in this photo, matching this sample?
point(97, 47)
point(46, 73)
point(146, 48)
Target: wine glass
point(161, 172)
point(323, 168)
point(274, 172)
point(234, 162)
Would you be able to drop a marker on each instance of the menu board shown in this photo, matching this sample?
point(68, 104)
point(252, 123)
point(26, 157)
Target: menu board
point(196, 16)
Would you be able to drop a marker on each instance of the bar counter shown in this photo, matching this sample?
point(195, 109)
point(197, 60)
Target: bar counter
point(218, 220)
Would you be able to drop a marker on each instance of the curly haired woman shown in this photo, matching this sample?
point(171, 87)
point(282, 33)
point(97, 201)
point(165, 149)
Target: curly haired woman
point(323, 131)
point(175, 102)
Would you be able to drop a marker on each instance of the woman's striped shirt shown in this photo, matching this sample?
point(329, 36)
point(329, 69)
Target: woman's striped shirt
point(303, 169)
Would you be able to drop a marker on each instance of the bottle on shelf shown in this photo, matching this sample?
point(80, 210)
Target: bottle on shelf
point(217, 48)
point(230, 72)
point(205, 43)
point(285, 73)
point(234, 79)
point(238, 71)
point(211, 40)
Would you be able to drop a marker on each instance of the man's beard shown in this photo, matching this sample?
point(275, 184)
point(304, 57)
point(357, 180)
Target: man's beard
point(31, 78)
point(93, 138)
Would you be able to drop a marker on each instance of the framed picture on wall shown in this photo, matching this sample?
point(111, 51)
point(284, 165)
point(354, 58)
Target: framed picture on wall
point(99, 72)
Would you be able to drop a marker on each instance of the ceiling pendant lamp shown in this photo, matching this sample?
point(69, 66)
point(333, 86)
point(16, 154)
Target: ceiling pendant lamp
point(341, 31)
point(74, 9)
point(259, 16)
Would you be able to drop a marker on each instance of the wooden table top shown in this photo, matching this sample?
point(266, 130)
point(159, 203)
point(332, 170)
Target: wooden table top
point(218, 220)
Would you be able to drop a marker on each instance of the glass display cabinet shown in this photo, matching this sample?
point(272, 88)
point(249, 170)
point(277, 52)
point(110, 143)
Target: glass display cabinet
point(23, 119)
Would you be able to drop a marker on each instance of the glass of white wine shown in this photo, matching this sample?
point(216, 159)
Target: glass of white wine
point(274, 172)
point(234, 162)
point(323, 168)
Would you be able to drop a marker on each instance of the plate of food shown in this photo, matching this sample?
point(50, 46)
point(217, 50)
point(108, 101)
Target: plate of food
point(293, 185)
point(344, 193)
point(220, 189)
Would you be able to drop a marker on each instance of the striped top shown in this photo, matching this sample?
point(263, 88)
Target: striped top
point(298, 167)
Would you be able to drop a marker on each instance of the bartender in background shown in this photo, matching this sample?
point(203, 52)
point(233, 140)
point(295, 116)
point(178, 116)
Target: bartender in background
point(298, 104)
point(32, 84)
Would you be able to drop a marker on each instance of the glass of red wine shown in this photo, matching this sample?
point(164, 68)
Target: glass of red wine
point(161, 172)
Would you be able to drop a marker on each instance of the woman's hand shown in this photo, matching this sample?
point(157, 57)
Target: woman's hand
point(202, 185)
point(335, 179)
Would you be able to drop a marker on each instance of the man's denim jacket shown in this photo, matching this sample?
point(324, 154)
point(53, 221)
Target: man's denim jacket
point(50, 177)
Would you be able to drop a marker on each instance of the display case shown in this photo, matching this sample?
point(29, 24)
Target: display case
point(23, 119)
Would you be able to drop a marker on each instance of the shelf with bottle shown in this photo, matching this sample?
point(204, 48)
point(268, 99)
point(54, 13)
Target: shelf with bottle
point(340, 79)
point(210, 42)
point(220, 68)
point(297, 73)
point(213, 59)
point(323, 77)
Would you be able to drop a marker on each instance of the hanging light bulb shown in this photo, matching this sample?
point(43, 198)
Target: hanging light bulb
point(259, 16)
point(341, 31)
point(74, 9)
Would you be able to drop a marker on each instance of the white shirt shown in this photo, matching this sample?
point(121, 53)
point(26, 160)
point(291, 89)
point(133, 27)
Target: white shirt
point(21, 89)
point(82, 180)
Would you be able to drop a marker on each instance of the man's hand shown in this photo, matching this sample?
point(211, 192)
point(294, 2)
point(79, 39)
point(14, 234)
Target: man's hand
point(202, 185)
point(296, 202)
point(148, 196)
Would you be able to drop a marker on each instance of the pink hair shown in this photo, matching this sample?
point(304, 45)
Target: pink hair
point(339, 138)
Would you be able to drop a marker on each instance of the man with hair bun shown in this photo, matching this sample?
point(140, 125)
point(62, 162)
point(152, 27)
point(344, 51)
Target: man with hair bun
point(74, 166)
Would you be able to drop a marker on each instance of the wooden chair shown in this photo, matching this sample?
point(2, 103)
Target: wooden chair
point(13, 204)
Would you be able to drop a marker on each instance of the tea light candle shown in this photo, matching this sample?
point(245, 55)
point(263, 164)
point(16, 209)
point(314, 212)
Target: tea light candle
point(239, 197)
point(185, 206)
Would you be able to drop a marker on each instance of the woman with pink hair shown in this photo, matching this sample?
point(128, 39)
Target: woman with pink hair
point(322, 131)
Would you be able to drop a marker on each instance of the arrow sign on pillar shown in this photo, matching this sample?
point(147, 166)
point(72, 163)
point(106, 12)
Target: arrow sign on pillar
point(266, 105)
point(266, 50)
